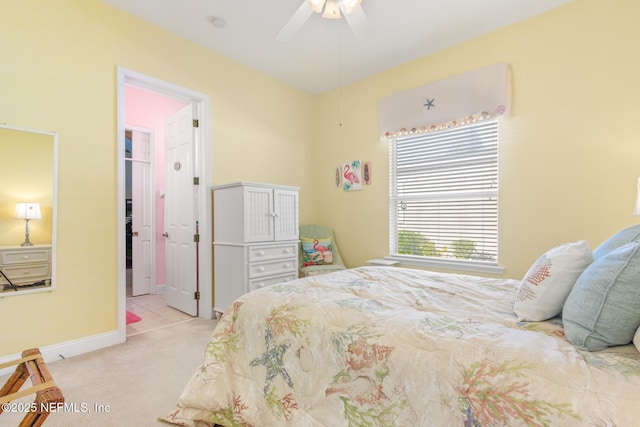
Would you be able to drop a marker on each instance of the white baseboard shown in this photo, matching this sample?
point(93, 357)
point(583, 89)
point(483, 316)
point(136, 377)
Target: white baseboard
point(68, 349)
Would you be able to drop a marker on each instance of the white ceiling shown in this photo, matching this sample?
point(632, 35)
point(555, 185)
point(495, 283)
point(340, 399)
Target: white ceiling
point(325, 54)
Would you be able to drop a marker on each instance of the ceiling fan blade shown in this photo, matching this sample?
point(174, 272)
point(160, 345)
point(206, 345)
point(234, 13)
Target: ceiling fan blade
point(295, 23)
point(357, 21)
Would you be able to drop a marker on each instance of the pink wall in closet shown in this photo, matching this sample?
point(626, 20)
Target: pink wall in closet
point(148, 110)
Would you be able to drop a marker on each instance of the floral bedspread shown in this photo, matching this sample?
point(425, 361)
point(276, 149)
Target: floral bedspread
point(378, 346)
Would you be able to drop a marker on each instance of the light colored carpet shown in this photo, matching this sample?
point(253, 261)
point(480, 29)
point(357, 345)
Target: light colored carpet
point(139, 380)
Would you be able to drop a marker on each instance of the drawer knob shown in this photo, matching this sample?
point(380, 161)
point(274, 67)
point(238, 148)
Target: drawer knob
point(25, 256)
point(287, 265)
point(261, 285)
point(260, 268)
point(260, 252)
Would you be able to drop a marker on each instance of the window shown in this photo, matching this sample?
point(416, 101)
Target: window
point(444, 198)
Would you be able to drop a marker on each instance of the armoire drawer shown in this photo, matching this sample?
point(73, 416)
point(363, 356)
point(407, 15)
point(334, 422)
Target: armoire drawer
point(263, 253)
point(270, 268)
point(272, 280)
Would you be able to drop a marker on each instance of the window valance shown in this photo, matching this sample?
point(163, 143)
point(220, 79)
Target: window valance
point(473, 96)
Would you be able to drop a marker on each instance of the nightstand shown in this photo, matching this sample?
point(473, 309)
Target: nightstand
point(25, 265)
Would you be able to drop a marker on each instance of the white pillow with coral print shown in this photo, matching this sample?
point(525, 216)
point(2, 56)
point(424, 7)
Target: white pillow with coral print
point(636, 339)
point(548, 282)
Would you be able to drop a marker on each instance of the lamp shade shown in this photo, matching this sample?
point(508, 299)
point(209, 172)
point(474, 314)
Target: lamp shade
point(332, 10)
point(316, 5)
point(28, 211)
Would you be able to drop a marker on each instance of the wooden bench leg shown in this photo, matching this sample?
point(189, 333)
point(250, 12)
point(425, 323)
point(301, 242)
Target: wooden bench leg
point(15, 381)
point(48, 395)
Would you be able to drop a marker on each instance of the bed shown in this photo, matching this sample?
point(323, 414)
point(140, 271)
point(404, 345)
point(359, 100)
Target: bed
point(380, 346)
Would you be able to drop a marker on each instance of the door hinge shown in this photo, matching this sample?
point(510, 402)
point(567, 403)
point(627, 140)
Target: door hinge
point(196, 180)
point(196, 238)
point(196, 123)
point(196, 295)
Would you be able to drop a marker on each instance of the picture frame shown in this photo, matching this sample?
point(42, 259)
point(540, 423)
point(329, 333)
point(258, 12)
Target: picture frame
point(366, 173)
point(352, 175)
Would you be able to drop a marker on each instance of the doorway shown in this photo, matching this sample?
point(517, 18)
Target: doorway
point(200, 194)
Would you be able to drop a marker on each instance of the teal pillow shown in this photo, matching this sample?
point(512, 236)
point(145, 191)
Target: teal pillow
point(622, 237)
point(603, 308)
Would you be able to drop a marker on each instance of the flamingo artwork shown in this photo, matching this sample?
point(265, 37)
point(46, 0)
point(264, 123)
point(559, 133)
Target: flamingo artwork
point(327, 256)
point(350, 176)
point(351, 173)
point(317, 251)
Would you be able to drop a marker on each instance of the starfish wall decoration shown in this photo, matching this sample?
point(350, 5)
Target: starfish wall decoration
point(430, 103)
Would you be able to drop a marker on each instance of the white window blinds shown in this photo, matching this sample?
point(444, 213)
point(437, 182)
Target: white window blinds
point(444, 194)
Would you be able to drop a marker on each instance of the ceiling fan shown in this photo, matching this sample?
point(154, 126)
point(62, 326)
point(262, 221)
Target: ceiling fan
point(330, 9)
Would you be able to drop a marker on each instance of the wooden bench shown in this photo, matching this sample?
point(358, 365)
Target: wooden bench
point(48, 395)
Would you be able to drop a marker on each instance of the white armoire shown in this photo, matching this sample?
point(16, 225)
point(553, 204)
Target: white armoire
point(255, 238)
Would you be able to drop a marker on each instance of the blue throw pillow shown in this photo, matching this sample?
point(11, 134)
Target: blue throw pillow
point(603, 308)
point(622, 237)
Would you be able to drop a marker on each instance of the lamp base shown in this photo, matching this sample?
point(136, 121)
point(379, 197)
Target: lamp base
point(26, 242)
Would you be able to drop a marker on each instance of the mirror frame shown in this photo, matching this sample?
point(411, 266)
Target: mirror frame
point(54, 213)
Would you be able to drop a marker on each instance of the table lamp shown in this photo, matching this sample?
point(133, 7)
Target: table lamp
point(27, 211)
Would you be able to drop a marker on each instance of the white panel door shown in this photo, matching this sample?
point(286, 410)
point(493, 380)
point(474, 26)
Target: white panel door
point(180, 220)
point(141, 219)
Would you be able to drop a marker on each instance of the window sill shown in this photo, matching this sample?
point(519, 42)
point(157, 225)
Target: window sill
point(448, 264)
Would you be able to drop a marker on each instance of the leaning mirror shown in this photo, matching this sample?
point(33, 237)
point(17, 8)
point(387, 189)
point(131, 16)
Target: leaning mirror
point(28, 172)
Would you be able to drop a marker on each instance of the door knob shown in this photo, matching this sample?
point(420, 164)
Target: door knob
point(134, 233)
point(165, 234)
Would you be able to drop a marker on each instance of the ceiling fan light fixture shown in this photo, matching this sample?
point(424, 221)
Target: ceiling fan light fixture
point(332, 10)
point(316, 5)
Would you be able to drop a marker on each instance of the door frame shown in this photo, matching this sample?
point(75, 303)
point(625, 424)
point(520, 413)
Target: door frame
point(202, 105)
point(151, 199)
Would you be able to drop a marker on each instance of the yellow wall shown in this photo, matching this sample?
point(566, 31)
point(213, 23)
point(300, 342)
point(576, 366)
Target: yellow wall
point(568, 165)
point(59, 73)
point(570, 152)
